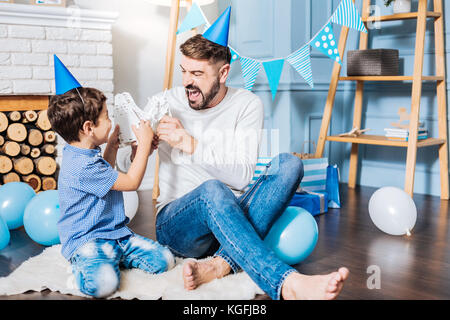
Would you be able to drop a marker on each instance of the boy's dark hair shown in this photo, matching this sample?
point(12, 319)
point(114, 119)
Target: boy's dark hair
point(198, 47)
point(67, 112)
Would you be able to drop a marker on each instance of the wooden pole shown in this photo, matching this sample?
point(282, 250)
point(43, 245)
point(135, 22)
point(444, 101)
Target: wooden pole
point(357, 114)
point(331, 94)
point(411, 153)
point(168, 77)
point(439, 37)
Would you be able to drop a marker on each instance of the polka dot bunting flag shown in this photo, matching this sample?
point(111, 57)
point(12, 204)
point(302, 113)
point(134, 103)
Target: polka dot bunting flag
point(326, 43)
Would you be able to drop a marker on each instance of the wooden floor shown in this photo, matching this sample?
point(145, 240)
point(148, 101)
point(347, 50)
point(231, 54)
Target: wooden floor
point(416, 267)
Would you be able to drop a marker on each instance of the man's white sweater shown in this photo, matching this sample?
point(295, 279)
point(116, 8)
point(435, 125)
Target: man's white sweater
point(228, 138)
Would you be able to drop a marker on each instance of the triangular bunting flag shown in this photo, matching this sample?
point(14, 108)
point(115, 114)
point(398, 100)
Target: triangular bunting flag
point(250, 70)
point(193, 19)
point(273, 70)
point(326, 43)
point(234, 55)
point(346, 14)
point(301, 61)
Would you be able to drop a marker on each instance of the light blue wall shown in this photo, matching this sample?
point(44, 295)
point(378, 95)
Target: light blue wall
point(267, 29)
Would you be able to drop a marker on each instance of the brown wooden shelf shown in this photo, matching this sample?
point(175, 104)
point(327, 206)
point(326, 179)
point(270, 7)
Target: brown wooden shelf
point(384, 141)
point(390, 78)
point(23, 103)
point(401, 16)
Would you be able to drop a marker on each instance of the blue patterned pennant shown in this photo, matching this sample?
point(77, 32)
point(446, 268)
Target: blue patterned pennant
point(346, 14)
point(326, 43)
point(273, 70)
point(301, 61)
point(193, 19)
point(250, 70)
point(234, 55)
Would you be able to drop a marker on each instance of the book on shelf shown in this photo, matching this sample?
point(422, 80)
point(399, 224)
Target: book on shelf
point(406, 139)
point(403, 135)
point(421, 136)
point(398, 130)
point(400, 134)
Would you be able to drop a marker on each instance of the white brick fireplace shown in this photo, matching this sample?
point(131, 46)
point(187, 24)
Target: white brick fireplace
point(30, 35)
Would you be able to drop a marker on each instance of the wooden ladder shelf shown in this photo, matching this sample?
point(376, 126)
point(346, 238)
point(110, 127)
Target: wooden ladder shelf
point(417, 78)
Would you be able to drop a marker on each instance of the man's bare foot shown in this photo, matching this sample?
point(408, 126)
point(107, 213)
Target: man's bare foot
point(321, 287)
point(196, 273)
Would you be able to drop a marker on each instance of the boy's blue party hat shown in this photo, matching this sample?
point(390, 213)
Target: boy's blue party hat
point(64, 80)
point(218, 32)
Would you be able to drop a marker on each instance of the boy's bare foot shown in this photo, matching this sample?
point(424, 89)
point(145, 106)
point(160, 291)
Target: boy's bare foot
point(196, 273)
point(321, 287)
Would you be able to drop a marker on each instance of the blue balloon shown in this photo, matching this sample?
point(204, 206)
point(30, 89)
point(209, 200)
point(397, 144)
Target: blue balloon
point(293, 236)
point(4, 234)
point(14, 197)
point(41, 218)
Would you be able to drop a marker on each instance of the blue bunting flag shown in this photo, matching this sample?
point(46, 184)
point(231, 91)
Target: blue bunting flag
point(273, 70)
point(346, 14)
point(301, 62)
point(250, 70)
point(325, 42)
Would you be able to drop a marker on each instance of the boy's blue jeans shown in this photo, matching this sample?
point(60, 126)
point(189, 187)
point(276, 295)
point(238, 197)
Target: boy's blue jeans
point(211, 219)
point(96, 263)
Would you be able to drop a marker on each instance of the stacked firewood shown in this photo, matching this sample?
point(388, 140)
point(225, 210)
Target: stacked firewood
point(27, 149)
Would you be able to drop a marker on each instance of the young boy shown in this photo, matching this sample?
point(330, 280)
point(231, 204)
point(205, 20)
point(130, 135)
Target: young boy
point(92, 227)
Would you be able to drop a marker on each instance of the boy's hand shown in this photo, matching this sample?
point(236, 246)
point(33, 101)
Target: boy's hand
point(132, 179)
point(112, 146)
point(155, 143)
point(113, 140)
point(144, 134)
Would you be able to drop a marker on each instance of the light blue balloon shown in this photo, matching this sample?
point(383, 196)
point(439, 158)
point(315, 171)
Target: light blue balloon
point(4, 234)
point(293, 236)
point(14, 197)
point(41, 218)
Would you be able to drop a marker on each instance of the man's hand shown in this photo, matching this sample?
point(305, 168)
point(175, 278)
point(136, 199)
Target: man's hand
point(172, 131)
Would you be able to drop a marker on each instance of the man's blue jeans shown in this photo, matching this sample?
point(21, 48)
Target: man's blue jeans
point(211, 219)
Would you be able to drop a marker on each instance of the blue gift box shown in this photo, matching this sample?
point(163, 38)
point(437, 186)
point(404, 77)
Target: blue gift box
point(314, 202)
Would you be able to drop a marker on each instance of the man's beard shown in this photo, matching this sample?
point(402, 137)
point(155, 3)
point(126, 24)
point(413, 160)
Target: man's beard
point(206, 98)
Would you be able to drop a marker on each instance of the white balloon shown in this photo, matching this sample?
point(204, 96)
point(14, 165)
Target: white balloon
point(393, 211)
point(131, 203)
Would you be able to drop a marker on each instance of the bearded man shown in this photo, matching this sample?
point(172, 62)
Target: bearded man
point(208, 151)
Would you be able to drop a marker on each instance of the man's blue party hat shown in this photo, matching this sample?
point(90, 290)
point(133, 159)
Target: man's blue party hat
point(218, 32)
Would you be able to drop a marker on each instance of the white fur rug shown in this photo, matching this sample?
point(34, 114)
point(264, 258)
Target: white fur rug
point(49, 270)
